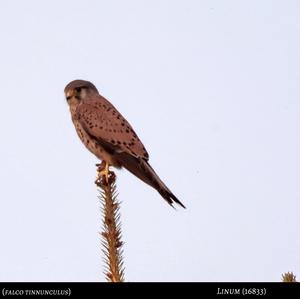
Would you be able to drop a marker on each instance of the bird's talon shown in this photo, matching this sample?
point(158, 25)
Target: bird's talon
point(104, 173)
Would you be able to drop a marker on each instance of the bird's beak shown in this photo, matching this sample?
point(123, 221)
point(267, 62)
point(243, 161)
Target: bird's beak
point(69, 94)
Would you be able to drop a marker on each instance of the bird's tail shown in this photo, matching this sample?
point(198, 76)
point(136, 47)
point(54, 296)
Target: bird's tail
point(146, 173)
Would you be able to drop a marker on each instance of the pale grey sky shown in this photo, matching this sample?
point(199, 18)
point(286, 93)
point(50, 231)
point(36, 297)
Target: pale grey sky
point(212, 89)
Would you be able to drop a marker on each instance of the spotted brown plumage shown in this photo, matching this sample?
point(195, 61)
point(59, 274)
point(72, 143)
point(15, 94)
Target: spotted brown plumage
point(108, 135)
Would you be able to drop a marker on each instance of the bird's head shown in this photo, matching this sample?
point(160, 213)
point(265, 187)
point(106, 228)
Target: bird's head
point(79, 89)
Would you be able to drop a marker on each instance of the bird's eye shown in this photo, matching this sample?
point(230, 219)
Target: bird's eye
point(78, 89)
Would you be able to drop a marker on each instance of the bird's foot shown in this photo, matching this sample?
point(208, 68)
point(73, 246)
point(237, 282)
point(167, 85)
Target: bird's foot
point(100, 166)
point(105, 176)
point(105, 172)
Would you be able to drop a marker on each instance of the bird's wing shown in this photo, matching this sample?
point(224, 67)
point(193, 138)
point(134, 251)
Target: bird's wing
point(103, 122)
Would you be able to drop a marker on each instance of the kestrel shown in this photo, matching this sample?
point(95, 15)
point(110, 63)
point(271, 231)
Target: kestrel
point(108, 135)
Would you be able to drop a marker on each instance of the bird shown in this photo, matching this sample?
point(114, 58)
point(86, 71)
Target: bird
point(110, 137)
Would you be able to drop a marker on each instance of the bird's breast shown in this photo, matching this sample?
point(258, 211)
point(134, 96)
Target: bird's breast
point(93, 146)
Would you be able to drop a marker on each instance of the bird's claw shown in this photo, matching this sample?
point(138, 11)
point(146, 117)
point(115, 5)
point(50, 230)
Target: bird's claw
point(105, 176)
